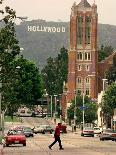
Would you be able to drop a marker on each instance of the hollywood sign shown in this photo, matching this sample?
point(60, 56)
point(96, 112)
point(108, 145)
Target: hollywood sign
point(45, 29)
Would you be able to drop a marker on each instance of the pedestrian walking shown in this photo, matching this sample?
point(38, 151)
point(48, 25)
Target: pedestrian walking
point(57, 137)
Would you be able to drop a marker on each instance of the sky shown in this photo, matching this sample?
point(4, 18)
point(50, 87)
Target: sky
point(56, 10)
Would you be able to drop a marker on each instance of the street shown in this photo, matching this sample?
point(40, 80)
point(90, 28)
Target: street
point(73, 144)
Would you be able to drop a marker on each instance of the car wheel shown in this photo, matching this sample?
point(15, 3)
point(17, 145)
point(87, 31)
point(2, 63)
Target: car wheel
point(24, 144)
point(32, 135)
point(101, 139)
point(92, 135)
point(7, 145)
point(50, 132)
point(43, 132)
point(82, 134)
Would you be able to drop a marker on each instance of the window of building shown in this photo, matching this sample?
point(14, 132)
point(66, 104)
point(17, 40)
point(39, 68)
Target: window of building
point(87, 80)
point(87, 92)
point(79, 80)
point(87, 30)
point(79, 67)
point(80, 30)
point(79, 55)
point(87, 56)
point(87, 67)
point(79, 91)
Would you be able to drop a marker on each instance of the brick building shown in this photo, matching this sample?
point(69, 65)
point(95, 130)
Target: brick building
point(83, 67)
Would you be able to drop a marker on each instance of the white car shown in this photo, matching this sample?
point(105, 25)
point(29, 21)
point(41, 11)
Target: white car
point(97, 130)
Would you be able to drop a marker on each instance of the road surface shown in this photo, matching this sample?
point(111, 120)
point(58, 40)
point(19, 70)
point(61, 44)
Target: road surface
point(73, 144)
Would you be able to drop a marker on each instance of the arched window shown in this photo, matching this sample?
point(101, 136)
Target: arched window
point(79, 30)
point(79, 80)
point(87, 30)
point(79, 56)
point(87, 91)
point(88, 80)
point(87, 56)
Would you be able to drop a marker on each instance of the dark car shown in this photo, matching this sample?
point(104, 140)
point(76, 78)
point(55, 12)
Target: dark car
point(87, 131)
point(28, 132)
point(108, 134)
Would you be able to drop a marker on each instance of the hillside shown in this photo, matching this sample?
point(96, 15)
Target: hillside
point(41, 39)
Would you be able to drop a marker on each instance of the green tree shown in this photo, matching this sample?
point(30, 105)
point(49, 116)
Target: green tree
point(55, 72)
point(27, 85)
point(104, 52)
point(111, 73)
point(9, 48)
point(90, 110)
point(109, 100)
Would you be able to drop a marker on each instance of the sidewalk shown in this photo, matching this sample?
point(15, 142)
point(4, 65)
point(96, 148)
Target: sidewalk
point(1, 149)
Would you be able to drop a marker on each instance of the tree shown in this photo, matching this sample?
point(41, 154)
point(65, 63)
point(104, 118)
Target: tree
point(104, 52)
point(90, 109)
point(55, 72)
point(25, 86)
point(9, 48)
point(111, 73)
point(109, 100)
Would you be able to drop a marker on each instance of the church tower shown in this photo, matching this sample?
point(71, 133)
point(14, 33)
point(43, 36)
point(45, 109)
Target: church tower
point(82, 54)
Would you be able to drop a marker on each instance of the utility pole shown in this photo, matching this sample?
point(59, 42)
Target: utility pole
point(75, 111)
point(51, 106)
point(83, 110)
point(55, 109)
point(60, 108)
point(0, 112)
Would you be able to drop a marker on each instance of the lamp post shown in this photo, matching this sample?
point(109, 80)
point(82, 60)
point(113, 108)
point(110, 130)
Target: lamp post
point(51, 109)
point(75, 111)
point(83, 110)
point(60, 108)
point(104, 87)
point(55, 108)
point(0, 101)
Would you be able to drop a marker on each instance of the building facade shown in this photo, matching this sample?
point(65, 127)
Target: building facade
point(82, 55)
point(85, 73)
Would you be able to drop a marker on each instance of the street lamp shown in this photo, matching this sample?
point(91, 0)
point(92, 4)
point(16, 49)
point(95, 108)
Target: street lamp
point(60, 108)
point(83, 109)
point(75, 110)
point(51, 109)
point(55, 108)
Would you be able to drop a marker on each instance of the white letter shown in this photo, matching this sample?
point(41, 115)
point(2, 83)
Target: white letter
point(29, 28)
point(63, 29)
point(53, 29)
point(58, 29)
point(45, 29)
point(49, 29)
point(34, 28)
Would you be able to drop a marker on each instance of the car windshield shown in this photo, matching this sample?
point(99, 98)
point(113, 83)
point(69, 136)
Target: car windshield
point(14, 132)
point(88, 128)
point(110, 131)
point(27, 129)
point(96, 128)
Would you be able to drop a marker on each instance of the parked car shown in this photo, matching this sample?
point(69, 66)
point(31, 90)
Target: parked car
point(88, 131)
point(63, 128)
point(43, 129)
point(108, 134)
point(97, 130)
point(15, 137)
point(28, 132)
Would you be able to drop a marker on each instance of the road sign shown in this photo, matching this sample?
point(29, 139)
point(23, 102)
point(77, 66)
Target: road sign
point(83, 107)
